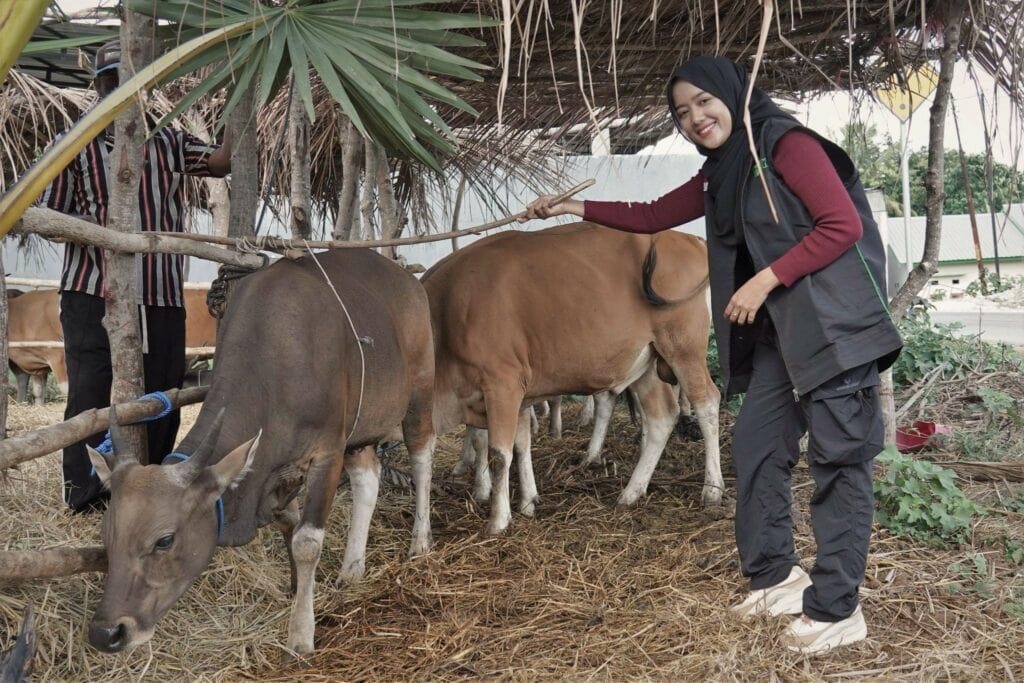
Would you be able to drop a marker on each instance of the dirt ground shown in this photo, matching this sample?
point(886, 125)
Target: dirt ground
point(583, 591)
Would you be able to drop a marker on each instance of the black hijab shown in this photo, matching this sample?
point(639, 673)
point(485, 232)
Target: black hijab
point(727, 166)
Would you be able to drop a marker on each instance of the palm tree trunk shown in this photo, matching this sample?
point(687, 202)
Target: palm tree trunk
point(298, 150)
point(391, 219)
point(345, 226)
point(124, 175)
point(245, 188)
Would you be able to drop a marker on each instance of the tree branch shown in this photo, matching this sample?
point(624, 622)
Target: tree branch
point(35, 444)
point(934, 179)
point(59, 227)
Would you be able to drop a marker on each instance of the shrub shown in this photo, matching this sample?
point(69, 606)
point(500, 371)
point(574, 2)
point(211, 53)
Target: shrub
point(921, 500)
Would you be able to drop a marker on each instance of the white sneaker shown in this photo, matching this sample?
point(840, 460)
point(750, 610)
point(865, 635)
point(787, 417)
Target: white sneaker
point(782, 598)
point(814, 637)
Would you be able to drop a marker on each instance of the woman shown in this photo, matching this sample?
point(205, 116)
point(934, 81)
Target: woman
point(802, 328)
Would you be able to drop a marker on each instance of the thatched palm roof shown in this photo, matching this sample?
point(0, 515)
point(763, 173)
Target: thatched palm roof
point(569, 57)
point(563, 68)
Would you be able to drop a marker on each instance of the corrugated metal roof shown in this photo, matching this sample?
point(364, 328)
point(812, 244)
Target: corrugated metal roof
point(63, 68)
point(957, 243)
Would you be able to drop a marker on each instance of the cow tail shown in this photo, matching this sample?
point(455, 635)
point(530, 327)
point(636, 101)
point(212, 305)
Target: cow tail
point(652, 297)
point(650, 263)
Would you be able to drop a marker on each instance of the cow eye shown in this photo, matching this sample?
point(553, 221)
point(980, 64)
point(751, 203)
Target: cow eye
point(164, 543)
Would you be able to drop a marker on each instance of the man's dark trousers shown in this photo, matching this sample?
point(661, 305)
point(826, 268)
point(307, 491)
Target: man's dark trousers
point(87, 353)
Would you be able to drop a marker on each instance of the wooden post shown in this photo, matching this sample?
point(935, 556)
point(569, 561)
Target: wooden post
point(934, 190)
point(3, 345)
point(124, 177)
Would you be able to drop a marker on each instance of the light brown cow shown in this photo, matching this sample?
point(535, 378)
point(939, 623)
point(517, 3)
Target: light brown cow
point(35, 316)
point(578, 309)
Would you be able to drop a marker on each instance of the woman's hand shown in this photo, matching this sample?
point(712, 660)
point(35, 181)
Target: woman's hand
point(541, 207)
point(744, 303)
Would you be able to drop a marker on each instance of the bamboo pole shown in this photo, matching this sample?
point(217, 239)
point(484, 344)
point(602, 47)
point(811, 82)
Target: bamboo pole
point(279, 244)
point(35, 444)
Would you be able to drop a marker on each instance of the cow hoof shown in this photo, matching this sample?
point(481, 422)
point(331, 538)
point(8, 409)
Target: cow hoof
point(481, 496)
point(297, 653)
point(711, 495)
point(495, 529)
point(591, 462)
point(460, 469)
point(528, 509)
point(627, 501)
point(420, 546)
point(353, 572)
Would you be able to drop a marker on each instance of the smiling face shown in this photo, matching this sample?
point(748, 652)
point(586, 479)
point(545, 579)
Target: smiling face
point(704, 118)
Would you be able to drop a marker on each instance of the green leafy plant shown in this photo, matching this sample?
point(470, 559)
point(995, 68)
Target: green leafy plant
point(921, 500)
point(974, 574)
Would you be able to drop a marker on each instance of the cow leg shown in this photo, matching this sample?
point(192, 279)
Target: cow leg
point(503, 409)
point(22, 378)
point(604, 405)
point(286, 520)
point(555, 423)
point(659, 409)
point(468, 454)
point(587, 412)
point(534, 422)
point(363, 469)
point(418, 433)
point(39, 388)
point(702, 394)
point(481, 473)
point(524, 464)
point(307, 542)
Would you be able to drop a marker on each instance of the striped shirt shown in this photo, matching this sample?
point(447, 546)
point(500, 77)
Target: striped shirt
point(81, 188)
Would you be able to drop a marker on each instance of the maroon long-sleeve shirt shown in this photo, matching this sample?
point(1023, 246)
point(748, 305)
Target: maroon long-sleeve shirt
point(807, 171)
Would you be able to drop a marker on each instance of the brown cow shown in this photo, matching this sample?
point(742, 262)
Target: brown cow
point(317, 384)
point(577, 309)
point(35, 316)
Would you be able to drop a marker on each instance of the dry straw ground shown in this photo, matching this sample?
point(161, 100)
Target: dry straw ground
point(582, 592)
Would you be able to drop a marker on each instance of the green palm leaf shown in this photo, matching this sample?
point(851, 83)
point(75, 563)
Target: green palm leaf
point(373, 56)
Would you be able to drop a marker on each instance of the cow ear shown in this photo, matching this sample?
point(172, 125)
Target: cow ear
point(233, 467)
point(100, 464)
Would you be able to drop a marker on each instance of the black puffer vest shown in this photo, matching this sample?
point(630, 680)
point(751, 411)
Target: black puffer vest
point(828, 321)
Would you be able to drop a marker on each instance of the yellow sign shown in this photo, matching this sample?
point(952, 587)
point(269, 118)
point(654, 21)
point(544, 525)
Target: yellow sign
point(902, 101)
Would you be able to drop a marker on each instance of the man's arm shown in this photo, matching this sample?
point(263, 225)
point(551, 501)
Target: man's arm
point(220, 160)
point(199, 158)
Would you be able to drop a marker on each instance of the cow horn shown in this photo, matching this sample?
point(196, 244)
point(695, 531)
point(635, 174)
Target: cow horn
point(117, 437)
point(205, 448)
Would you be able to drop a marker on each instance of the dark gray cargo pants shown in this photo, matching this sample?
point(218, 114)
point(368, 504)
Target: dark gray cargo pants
point(845, 428)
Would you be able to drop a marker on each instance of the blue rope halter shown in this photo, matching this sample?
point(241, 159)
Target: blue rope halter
point(107, 448)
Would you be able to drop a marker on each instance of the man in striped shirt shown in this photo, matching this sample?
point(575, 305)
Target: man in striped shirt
point(81, 190)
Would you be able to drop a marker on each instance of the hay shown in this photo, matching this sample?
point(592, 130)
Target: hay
point(583, 591)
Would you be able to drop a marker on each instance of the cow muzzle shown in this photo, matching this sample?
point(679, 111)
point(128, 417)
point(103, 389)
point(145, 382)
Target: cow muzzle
point(120, 635)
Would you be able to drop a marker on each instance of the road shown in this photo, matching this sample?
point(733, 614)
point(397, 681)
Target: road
point(1005, 326)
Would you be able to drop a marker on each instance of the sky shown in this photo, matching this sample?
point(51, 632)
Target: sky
point(827, 114)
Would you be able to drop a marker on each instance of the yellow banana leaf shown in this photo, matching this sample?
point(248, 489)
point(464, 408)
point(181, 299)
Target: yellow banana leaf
point(31, 185)
point(18, 19)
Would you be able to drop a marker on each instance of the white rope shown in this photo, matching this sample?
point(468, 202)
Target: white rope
point(355, 334)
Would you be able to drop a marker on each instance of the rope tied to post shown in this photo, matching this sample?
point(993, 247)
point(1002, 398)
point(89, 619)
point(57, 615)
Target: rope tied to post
point(106, 448)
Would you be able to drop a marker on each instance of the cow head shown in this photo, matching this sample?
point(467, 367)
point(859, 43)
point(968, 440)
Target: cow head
point(160, 531)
